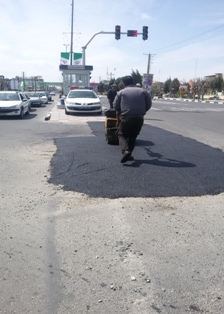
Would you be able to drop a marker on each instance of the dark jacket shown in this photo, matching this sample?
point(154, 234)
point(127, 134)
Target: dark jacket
point(132, 101)
point(111, 95)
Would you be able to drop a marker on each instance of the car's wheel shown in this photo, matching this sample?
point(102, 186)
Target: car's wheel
point(21, 114)
point(66, 112)
point(28, 109)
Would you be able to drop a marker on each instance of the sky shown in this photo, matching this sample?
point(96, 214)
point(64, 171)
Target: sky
point(185, 38)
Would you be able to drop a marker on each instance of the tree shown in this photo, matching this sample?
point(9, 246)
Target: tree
point(167, 85)
point(217, 84)
point(200, 87)
point(119, 83)
point(101, 87)
point(174, 86)
point(136, 77)
point(222, 87)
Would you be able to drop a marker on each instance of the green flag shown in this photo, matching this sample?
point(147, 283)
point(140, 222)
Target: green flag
point(64, 58)
point(77, 58)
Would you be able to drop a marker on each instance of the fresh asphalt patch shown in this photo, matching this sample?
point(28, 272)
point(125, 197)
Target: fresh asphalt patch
point(166, 164)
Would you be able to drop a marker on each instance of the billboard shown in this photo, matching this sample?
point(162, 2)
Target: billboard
point(148, 79)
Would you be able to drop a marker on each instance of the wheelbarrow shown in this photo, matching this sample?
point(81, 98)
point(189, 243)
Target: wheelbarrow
point(111, 127)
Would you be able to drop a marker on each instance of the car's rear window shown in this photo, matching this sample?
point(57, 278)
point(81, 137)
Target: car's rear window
point(32, 94)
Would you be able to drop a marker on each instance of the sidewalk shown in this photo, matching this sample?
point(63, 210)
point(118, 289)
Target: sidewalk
point(57, 114)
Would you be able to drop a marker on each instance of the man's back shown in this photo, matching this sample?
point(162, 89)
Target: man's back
point(132, 101)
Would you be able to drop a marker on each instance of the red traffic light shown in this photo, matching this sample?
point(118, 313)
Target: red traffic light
point(132, 33)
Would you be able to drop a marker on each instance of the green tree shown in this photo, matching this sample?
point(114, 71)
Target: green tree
point(218, 82)
point(174, 86)
point(101, 87)
point(167, 85)
point(222, 86)
point(119, 83)
point(136, 77)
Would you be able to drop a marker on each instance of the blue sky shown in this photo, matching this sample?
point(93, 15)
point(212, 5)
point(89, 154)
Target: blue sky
point(186, 38)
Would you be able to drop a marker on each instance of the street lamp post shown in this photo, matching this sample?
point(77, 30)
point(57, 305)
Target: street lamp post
point(66, 45)
point(71, 46)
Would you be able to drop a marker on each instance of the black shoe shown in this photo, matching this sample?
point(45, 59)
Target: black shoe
point(131, 158)
point(126, 157)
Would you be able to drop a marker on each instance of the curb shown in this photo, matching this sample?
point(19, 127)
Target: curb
point(202, 101)
point(48, 116)
point(58, 106)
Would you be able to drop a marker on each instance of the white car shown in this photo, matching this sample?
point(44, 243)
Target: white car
point(43, 97)
point(13, 103)
point(82, 100)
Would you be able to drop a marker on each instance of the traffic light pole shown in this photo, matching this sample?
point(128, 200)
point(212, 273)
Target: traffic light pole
point(102, 32)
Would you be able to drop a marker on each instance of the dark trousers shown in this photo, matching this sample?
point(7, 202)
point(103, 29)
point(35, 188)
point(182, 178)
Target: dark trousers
point(128, 131)
point(111, 104)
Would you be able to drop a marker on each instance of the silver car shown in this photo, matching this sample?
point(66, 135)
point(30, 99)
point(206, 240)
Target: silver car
point(13, 103)
point(34, 99)
point(43, 97)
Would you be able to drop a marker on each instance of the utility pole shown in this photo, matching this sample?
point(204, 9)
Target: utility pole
point(149, 61)
point(24, 87)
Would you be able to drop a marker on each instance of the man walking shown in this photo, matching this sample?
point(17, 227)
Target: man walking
point(131, 104)
point(111, 94)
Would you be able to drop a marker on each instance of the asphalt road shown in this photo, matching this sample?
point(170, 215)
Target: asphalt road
point(83, 233)
point(166, 164)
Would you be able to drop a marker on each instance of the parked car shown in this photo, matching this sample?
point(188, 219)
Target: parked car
point(13, 103)
point(34, 98)
point(48, 96)
point(82, 100)
point(43, 97)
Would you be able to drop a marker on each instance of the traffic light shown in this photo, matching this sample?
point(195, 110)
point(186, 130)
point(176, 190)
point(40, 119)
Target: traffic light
point(117, 32)
point(132, 33)
point(145, 33)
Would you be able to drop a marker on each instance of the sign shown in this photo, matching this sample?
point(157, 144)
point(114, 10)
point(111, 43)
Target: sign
point(148, 79)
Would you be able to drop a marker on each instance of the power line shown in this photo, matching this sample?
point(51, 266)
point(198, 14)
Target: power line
point(196, 36)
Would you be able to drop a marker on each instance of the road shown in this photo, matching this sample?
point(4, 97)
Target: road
point(82, 233)
point(197, 120)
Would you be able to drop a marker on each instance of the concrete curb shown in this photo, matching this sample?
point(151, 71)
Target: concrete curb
point(58, 106)
point(48, 116)
point(192, 100)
